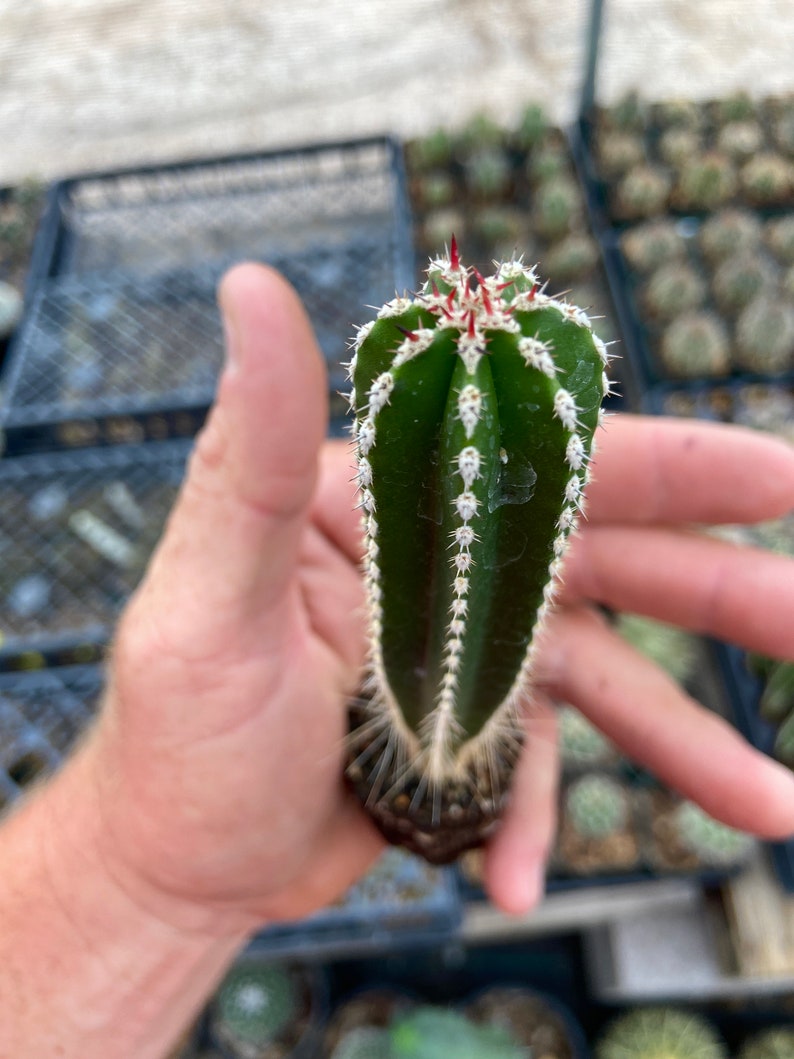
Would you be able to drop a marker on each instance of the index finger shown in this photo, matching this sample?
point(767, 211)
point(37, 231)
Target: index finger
point(651, 469)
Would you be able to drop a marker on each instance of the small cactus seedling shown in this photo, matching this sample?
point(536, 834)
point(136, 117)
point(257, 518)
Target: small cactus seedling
point(254, 1005)
point(643, 192)
point(649, 245)
point(661, 1033)
point(678, 144)
point(438, 1033)
point(696, 344)
point(740, 139)
point(768, 179)
point(573, 257)
point(741, 278)
point(476, 403)
point(714, 843)
point(597, 806)
point(672, 649)
point(706, 182)
point(728, 232)
point(364, 1042)
point(581, 743)
point(776, 1043)
point(780, 238)
point(765, 335)
point(618, 152)
point(557, 206)
point(673, 289)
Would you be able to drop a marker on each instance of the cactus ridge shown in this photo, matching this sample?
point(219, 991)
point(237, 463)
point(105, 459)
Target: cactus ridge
point(475, 402)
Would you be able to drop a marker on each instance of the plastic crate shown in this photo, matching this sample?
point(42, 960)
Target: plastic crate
point(76, 532)
point(41, 715)
point(402, 901)
point(123, 325)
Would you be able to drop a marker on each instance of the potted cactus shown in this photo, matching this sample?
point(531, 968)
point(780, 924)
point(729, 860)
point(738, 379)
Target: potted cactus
point(660, 1033)
point(598, 831)
point(476, 403)
point(775, 1043)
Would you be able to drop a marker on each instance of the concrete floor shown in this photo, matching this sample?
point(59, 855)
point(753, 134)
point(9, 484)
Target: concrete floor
point(86, 84)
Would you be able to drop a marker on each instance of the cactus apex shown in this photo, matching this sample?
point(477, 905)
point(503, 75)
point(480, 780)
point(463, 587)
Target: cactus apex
point(476, 402)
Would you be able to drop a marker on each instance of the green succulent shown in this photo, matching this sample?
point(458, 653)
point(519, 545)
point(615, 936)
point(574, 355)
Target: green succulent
point(676, 145)
point(777, 698)
point(673, 289)
point(596, 805)
point(628, 112)
point(435, 188)
point(784, 742)
point(572, 257)
point(581, 743)
point(432, 151)
point(487, 172)
point(678, 113)
point(696, 344)
point(480, 131)
point(705, 182)
point(739, 106)
point(740, 140)
point(364, 1042)
point(780, 238)
point(531, 128)
point(254, 1005)
point(767, 179)
point(765, 335)
point(547, 162)
point(439, 1033)
point(650, 245)
point(672, 649)
point(713, 842)
point(776, 1043)
point(618, 152)
point(729, 231)
point(643, 192)
point(660, 1033)
point(556, 206)
point(740, 279)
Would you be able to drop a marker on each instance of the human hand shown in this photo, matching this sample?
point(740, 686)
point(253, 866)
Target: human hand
point(218, 755)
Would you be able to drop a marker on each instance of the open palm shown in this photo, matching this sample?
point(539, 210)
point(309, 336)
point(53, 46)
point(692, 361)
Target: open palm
point(223, 729)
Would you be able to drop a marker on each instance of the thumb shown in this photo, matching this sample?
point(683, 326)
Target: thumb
point(231, 543)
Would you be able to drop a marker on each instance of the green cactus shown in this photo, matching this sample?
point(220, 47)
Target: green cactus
point(557, 205)
point(777, 698)
point(254, 1005)
point(740, 279)
point(713, 843)
point(471, 468)
point(672, 290)
point(547, 162)
point(672, 649)
point(706, 182)
point(660, 1033)
point(681, 113)
point(727, 232)
point(784, 742)
point(363, 1042)
point(776, 1043)
point(581, 743)
point(438, 1033)
point(780, 238)
point(696, 344)
point(739, 106)
point(596, 805)
point(643, 192)
point(765, 335)
point(487, 172)
point(532, 126)
point(618, 152)
point(651, 244)
point(740, 140)
point(678, 144)
point(574, 256)
point(767, 179)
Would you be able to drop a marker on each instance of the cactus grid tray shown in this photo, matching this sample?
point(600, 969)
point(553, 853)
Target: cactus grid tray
point(41, 715)
point(401, 902)
point(76, 531)
point(123, 321)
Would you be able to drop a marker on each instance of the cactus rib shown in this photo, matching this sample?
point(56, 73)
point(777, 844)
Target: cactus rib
point(476, 402)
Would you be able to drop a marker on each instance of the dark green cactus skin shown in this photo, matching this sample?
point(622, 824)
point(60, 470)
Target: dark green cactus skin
point(476, 404)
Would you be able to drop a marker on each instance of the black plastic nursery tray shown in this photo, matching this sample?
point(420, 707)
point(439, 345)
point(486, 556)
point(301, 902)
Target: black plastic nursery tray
point(76, 532)
point(402, 901)
point(123, 333)
point(41, 715)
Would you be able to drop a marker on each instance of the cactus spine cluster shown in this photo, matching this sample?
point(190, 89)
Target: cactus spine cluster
point(476, 402)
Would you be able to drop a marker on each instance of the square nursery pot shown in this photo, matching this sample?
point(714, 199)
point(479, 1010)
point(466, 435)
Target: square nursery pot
point(402, 901)
point(41, 716)
point(77, 529)
point(122, 337)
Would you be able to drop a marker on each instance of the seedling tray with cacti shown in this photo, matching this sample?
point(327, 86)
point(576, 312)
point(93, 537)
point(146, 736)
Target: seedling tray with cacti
point(759, 696)
point(645, 159)
point(124, 327)
point(401, 901)
point(76, 532)
point(505, 190)
point(41, 715)
point(705, 298)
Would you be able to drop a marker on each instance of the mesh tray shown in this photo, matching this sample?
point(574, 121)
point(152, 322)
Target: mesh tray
point(41, 715)
point(124, 321)
point(76, 532)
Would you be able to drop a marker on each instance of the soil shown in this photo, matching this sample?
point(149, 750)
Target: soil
point(530, 1019)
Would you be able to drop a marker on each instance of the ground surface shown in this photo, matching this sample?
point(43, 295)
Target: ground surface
point(87, 84)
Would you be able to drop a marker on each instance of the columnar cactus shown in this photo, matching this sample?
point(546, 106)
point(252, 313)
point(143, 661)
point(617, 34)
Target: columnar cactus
point(476, 402)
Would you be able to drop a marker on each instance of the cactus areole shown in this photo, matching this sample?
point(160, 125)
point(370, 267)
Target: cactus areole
point(476, 402)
